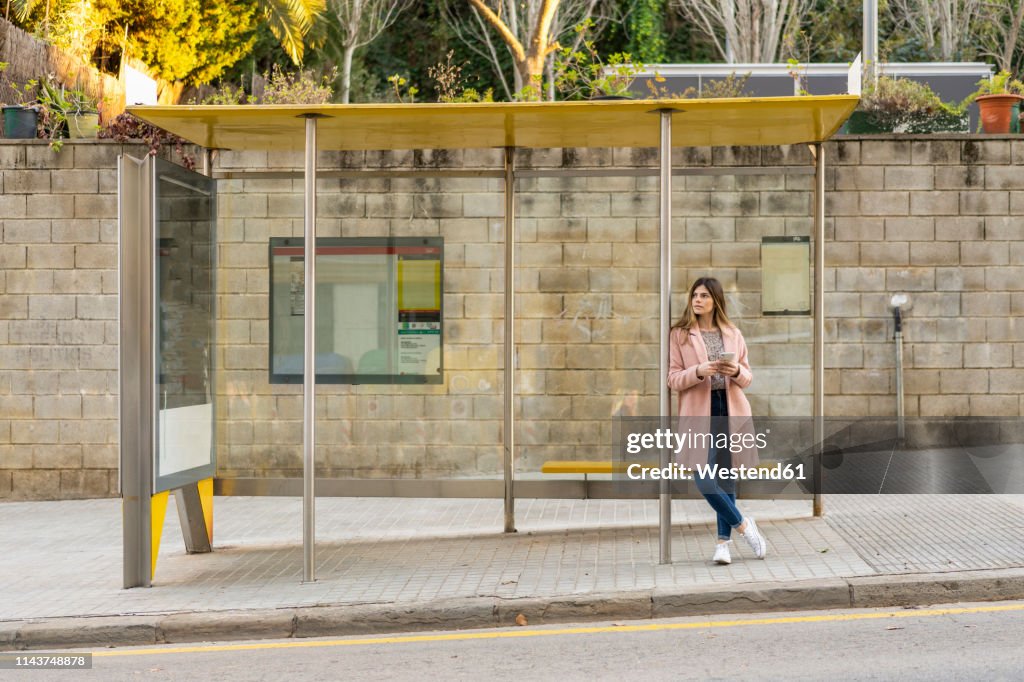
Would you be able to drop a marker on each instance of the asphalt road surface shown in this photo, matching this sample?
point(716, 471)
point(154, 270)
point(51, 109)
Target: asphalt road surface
point(955, 642)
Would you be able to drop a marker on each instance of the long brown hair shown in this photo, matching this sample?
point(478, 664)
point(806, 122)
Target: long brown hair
point(714, 287)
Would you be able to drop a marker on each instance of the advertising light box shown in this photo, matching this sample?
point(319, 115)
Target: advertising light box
point(378, 310)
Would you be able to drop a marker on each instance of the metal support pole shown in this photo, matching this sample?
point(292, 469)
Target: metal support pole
point(190, 516)
point(136, 362)
point(309, 364)
point(901, 433)
point(818, 151)
point(664, 394)
point(869, 47)
point(508, 427)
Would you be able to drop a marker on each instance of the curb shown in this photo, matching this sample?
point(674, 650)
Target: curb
point(486, 612)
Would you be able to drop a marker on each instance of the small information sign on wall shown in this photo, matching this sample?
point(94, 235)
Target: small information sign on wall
point(785, 275)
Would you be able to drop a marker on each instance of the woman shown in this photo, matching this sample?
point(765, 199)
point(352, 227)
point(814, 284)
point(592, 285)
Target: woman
point(708, 367)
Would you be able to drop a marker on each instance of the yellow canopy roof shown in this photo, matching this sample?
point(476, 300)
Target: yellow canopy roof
point(602, 123)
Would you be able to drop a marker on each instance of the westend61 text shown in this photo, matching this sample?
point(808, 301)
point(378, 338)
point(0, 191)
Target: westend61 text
point(676, 472)
point(662, 439)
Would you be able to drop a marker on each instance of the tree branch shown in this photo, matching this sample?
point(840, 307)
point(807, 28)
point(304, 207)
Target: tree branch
point(495, 21)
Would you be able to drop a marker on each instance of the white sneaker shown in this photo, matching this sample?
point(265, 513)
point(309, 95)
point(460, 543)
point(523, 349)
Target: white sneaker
point(754, 538)
point(722, 555)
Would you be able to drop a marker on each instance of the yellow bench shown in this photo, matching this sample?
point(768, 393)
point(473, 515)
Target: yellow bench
point(582, 466)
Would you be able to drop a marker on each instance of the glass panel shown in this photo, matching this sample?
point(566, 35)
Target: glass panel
point(378, 310)
point(587, 325)
point(588, 312)
point(184, 339)
point(372, 426)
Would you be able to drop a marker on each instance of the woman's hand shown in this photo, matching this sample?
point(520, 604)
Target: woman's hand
point(727, 368)
point(706, 369)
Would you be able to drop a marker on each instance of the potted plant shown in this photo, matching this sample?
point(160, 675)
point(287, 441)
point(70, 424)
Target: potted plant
point(998, 101)
point(67, 113)
point(899, 105)
point(21, 118)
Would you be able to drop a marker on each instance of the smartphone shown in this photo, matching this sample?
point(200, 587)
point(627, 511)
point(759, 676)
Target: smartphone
point(728, 357)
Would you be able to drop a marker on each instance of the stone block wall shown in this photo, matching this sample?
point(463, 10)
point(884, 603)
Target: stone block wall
point(938, 218)
point(941, 219)
point(58, 320)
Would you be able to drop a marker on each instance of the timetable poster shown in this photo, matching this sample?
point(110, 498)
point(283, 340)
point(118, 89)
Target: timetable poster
point(379, 313)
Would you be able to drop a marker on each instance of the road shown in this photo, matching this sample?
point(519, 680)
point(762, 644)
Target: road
point(955, 642)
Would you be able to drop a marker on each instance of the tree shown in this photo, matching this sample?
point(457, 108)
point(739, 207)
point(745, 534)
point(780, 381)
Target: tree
point(529, 30)
point(65, 21)
point(647, 42)
point(220, 33)
point(359, 23)
point(945, 28)
point(25, 9)
point(999, 33)
point(745, 31)
point(290, 21)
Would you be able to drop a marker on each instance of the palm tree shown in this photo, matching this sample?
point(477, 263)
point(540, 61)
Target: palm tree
point(290, 21)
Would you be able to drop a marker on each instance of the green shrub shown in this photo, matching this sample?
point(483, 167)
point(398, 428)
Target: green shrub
point(298, 88)
point(900, 105)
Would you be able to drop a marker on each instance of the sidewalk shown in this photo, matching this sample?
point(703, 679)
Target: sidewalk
point(405, 564)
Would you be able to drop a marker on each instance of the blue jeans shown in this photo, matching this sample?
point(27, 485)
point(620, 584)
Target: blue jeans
point(721, 495)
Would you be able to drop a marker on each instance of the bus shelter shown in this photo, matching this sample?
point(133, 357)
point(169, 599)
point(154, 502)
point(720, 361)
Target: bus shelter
point(167, 424)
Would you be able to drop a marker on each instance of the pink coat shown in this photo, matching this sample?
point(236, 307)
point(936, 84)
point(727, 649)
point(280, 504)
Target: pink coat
point(686, 352)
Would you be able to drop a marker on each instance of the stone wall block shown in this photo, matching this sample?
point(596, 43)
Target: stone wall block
point(936, 355)
point(960, 177)
point(1005, 279)
point(860, 178)
point(589, 255)
point(885, 253)
point(50, 206)
point(103, 154)
point(95, 206)
point(969, 228)
point(984, 203)
point(43, 307)
point(26, 181)
point(885, 152)
point(910, 279)
point(888, 203)
point(909, 229)
point(988, 355)
point(963, 381)
point(860, 280)
point(29, 231)
point(935, 152)
point(1006, 381)
point(710, 229)
point(984, 253)
point(989, 152)
point(842, 204)
point(909, 177)
point(81, 181)
point(1004, 227)
point(787, 203)
point(934, 253)
point(934, 203)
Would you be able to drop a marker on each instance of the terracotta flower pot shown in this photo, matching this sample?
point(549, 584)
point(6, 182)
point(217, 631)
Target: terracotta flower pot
point(997, 112)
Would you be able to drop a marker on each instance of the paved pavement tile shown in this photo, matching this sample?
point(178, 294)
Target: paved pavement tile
point(64, 558)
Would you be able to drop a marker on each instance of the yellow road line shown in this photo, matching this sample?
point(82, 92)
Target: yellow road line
point(504, 634)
